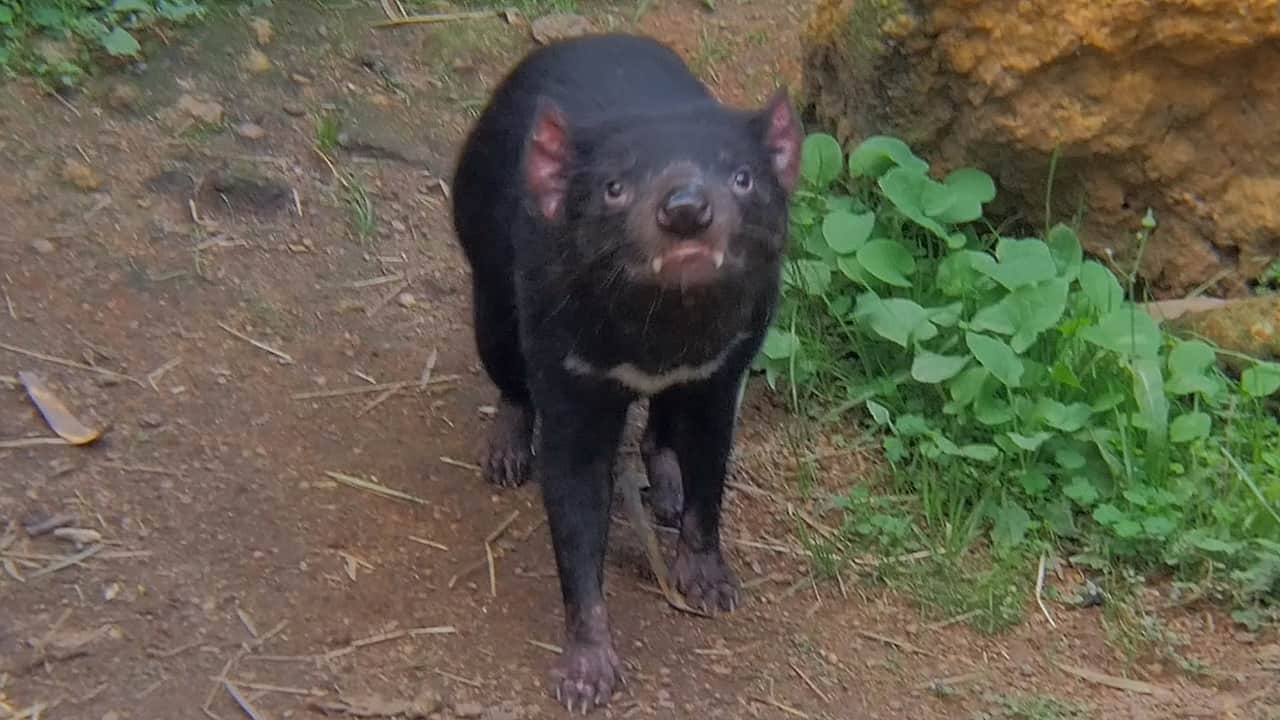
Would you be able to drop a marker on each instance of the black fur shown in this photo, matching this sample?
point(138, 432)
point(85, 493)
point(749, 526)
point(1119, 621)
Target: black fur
point(568, 277)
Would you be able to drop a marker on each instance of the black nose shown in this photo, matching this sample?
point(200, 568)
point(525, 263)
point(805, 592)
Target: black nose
point(686, 211)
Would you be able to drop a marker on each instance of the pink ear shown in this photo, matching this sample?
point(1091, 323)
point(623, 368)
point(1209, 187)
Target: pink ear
point(783, 137)
point(546, 158)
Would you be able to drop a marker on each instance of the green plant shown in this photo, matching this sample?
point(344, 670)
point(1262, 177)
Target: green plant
point(363, 218)
point(1033, 707)
point(58, 40)
point(1018, 392)
point(328, 132)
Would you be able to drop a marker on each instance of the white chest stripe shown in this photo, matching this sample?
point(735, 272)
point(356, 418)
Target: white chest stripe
point(647, 383)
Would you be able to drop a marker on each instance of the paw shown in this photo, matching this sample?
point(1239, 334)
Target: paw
point(510, 451)
point(586, 675)
point(666, 488)
point(705, 580)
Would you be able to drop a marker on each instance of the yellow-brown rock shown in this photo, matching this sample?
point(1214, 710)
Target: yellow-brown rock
point(1167, 104)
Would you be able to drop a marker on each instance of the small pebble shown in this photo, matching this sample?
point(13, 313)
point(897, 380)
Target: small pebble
point(123, 96)
point(468, 710)
point(406, 300)
point(42, 246)
point(294, 109)
point(81, 175)
point(262, 31)
point(256, 61)
point(250, 131)
point(150, 421)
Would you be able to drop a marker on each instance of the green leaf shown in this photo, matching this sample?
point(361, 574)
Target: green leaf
point(980, 452)
point(888, 261)
point(878, 154)
point(1153, 404)
point(821, 159)
point(1067, 253)
point(846, 232)
point(127, 6)
point(905, 188)
point(6, 15)
point(120, 43)
point(958, 275)
point(1064, 375)
point(179, 12)
point(1191, 357)
point(1128, 331)
point(1021, 262)
point(966, 189)
point(1030, 443)
point(1261, 380)
point(1081, 491)
point(1067, 418)
point(1159, 526)
point(1108, 514)
point(1011, 525)
point(1190, 426)
point(1035, 483)
point(1068, 458)
point(931, 368)
point(995, 356)
point(779, 344)
point(811, 276)
point(895, 319)
point(1100, 287)
point(991, 410)
point(879, 413)
point(852, 269)
point(966, 386)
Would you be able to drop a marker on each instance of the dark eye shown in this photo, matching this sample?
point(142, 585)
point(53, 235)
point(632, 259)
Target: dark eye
point(742, 181)
point(614, 190)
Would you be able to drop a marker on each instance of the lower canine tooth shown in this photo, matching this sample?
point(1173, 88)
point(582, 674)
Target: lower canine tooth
point(657, 265)
point(718, 259)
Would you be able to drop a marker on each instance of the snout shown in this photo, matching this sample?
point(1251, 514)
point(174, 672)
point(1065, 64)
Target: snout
point(686, 211)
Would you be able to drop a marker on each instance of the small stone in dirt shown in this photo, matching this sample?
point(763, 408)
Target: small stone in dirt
point(81, 175)
point(42, 246)
point(300, 78)
point(406, 300)
point(559, 26)
point(468, 710)
point(256, 61)
point(123, 96)
point(294, 109)
point(262, 31)
point(206, 111)
point(113, 715)
point(150, 421)
point(250, 131)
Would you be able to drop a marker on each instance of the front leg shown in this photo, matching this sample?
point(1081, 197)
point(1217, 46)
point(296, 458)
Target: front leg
point(697, 423)
point(581, 429)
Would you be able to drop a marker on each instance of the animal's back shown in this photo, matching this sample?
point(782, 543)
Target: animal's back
point(592, 79)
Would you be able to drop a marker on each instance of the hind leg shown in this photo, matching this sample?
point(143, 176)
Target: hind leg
point(509, 453)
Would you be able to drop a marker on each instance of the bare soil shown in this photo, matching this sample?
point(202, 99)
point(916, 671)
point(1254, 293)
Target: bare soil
point(139, 240)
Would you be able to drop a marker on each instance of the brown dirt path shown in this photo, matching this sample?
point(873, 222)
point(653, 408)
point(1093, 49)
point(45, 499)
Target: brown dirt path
point(226, 549)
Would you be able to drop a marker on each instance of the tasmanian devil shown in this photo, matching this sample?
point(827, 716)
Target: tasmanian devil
point(626, 234)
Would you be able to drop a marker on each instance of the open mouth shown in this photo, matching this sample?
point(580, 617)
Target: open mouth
point(688, 262)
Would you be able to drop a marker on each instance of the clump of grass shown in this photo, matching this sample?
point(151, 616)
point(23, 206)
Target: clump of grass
point(60, 41)
point(328, 129)
point(1022, 399)
point(1033, 707)
point(363, 218)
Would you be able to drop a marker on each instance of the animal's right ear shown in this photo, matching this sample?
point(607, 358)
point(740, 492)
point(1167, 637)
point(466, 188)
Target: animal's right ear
point(546, 159)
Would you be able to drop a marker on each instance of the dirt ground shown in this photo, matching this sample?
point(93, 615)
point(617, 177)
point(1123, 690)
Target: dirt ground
point(210, 280)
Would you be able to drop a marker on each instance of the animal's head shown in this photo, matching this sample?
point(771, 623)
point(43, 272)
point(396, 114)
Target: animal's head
point(691, 199)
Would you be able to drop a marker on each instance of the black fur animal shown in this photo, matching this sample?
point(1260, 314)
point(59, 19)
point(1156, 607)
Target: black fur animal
point(626, 234)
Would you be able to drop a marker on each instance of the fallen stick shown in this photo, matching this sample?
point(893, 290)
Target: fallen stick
point(636, 513)
point(366, 389)
point(70, 363)
point(374, 488)
point(258, 344)
point(438, 18)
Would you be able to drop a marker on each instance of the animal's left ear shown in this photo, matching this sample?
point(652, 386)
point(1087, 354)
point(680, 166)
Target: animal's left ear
point(782, 137)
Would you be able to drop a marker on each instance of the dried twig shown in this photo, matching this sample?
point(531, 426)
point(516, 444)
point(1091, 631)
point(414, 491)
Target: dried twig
point(900, 644)
point(243, 702)
point(821, 695)
point(546, 646)
point(458, 678)
point(779, 706)
point(366, 389)
point(460, 464)
point(1111, 681)
point(31, 442)
point(258, 344)
point(1040, 593)
point(640, 523)
point(67, 561)
point(437, 18)
point(428, 543)
point(69, 363)
point(374, 488)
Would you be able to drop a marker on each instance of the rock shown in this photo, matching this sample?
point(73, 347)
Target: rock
point(406, 300)
point(81, 175)
point(299, 78)
point(468, 710)
point(1166, 104)
point(150, 421)
point(250, 131)
point(123, 96)
point(558, 26)
point(293, 108)
point(261, 29)
point(42, 246)
point(206, 111)
point(256, 61)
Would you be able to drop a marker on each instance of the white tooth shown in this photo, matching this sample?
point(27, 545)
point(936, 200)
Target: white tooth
point(718, 259)
point(657, 265)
